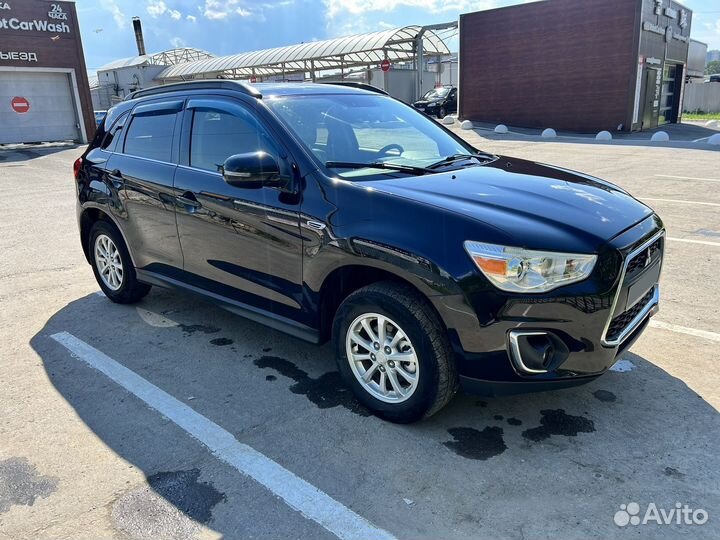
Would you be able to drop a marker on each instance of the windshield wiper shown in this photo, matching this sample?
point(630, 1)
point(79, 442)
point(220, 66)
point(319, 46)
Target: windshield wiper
point(460, 157)
point(377, 165)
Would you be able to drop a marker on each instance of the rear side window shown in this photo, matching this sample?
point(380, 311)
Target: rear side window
point(151, 136)
point(216, 135)
point(112, 136)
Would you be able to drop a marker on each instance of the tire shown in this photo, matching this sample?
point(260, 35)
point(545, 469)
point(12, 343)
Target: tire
point(442, 113)
point(402, 307)
point(120, 284)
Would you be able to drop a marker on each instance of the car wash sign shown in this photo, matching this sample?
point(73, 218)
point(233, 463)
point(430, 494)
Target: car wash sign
point(55, 22)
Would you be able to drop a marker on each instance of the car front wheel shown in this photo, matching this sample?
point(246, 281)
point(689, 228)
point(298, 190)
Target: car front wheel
point(393, 352)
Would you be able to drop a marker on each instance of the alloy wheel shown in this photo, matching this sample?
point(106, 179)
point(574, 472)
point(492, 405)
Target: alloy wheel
point(382, 358)
point(108, 262)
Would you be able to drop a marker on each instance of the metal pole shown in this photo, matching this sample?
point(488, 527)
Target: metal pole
point(419, 61)
point(386, 74)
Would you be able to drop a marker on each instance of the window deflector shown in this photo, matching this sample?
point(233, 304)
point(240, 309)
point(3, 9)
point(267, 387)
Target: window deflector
point(162, 107)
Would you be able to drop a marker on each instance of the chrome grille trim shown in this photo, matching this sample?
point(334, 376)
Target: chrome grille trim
point(650, 305)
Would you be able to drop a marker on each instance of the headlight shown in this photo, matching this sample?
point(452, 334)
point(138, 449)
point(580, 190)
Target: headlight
point(524, 271)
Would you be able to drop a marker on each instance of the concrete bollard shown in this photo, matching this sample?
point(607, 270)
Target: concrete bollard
point(549, 133)
point(660, 136)
point(604, 136)
point(448, 120)
point(501, 128)
point(467, 124)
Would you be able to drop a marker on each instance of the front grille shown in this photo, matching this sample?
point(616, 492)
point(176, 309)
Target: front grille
point(619, 323)
point(640, 261)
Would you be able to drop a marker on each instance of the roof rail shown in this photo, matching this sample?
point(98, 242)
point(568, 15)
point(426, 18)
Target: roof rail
point(358, 85)
point(204, 84)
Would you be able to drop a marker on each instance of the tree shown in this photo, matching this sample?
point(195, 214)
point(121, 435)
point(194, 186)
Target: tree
point(713, 67)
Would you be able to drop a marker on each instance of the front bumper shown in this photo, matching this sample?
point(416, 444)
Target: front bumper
point(428, 108)
point(569, 337)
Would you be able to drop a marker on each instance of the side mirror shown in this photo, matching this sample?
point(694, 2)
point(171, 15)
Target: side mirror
point(252, 170)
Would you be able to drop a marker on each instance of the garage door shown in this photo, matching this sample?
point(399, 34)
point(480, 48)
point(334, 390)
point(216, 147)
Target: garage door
point(36, 107)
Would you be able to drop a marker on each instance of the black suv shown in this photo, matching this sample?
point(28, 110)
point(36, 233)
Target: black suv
point(333, 212)
point(439, 101)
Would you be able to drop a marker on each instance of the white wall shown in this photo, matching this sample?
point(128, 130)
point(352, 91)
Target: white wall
point(702, 97)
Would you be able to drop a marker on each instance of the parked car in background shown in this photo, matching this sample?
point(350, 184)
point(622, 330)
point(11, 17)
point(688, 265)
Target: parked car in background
point(714, 78)
point(439, 102)
point(99, 117)
point(338, 213)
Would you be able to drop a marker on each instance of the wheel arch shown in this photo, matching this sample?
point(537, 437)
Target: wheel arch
point(90, 216)
point(344, 280)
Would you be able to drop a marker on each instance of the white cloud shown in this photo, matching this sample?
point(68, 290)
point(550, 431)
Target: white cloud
point(117, 14)
point(177, 42)
point(191, 18)
point(157, 8)
point(218, 10)
point(358, 7)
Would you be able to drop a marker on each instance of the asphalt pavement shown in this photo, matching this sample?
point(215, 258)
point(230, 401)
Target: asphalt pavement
point(175, 419)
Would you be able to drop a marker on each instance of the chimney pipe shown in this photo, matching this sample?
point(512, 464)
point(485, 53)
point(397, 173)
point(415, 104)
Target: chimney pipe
point(137, 26)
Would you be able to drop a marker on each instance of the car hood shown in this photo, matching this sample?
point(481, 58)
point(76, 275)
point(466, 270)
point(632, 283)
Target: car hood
point(538, 206)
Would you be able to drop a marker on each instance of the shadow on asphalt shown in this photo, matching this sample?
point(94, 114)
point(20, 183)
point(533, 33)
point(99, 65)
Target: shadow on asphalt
point(19, 153)
point(642, 434)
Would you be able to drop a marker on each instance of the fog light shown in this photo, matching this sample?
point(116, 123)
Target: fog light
point(534, 352)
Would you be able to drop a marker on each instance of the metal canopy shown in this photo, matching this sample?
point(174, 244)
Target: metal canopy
point(340, 53)
point(164, 58)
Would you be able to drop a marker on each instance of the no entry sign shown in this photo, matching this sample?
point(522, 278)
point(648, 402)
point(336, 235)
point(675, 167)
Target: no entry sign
point(385, 65)
point(253, 79)
point(20, 104)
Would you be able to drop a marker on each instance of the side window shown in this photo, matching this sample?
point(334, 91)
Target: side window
point(216, 135)
point(114, 134)
point(151, 136)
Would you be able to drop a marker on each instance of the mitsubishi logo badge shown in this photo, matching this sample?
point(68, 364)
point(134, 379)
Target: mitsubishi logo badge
point(648, 258)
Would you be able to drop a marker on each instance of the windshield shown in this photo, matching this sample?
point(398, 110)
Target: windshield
point(437, 93)
point(366, 129)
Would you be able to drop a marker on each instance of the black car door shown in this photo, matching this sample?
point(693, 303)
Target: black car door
point(452, 101)
point(241, 243)
point(145, 162)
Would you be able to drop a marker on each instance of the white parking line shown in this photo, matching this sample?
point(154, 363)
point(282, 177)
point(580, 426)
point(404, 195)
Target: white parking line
point(688, 241)
point(296, 492)
point(688, 178)
point(685, 330)
point(678, 201)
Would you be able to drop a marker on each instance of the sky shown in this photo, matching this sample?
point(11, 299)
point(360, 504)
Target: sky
point(232, 26)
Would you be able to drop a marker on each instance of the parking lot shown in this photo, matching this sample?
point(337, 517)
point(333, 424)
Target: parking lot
point(221, 428)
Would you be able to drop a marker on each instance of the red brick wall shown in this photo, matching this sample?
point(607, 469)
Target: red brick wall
point(565, 64)
point(53, 49)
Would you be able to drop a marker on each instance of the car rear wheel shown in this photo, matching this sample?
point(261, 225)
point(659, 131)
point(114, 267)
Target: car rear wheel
point(112, 265)
point(392, 351)
point(443, 113)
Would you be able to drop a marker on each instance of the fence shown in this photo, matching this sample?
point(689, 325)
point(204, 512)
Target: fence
point(702, 97)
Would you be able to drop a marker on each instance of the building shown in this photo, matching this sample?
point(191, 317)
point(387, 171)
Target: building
point(697, 53)
point(121, 77)
point(575, 65)
point(387, 59)
point(44, 91)
point(712, 56)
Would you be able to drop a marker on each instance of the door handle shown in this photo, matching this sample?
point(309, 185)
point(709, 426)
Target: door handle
point(189, 200)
